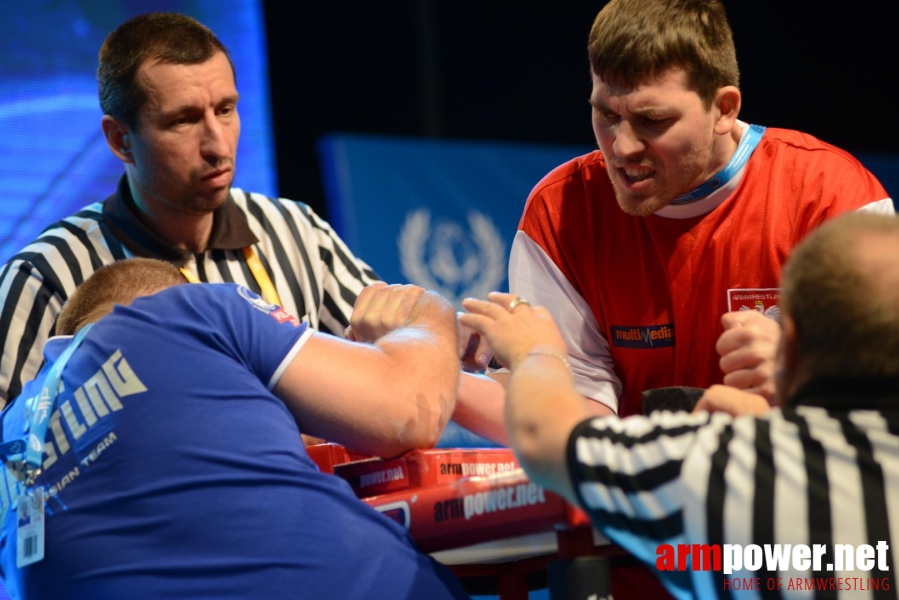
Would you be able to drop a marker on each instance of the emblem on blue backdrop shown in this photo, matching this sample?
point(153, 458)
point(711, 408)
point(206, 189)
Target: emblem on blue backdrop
point(456, 260)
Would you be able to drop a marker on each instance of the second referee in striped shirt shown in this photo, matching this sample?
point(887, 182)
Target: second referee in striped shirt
point(796, 501)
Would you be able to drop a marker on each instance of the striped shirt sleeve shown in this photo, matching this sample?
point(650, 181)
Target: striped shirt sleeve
point(804, 476)
point(627, 476)
point(31, 303)
point(35, 283)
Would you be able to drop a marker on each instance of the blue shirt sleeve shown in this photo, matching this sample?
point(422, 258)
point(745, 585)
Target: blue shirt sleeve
point(233, 320)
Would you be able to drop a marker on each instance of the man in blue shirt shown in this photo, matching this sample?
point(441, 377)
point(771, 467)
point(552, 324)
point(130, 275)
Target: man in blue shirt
point(173, 465)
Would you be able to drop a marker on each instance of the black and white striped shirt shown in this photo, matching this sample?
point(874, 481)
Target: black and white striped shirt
point(824, 470)
point(315, 275)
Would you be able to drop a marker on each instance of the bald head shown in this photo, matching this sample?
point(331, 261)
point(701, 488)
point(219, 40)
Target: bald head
point(840, 292)
point(877, 253)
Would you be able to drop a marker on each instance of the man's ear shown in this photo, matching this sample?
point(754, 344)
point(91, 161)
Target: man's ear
point(790, 344)
point(117, 138)
point(787, 360)
point(727, 102)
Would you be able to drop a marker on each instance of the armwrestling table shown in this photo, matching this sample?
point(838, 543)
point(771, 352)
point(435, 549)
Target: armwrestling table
point(475, 510)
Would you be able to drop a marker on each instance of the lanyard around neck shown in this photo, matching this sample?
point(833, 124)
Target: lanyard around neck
point(269, 293)
point(37, 414)
point(748, 142)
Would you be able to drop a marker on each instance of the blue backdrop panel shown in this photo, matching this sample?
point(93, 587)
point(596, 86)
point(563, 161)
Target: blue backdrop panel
point(53, 158)
point(440, 214)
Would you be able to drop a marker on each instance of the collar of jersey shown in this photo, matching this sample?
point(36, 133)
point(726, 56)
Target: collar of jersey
point(709, 203)
point(55, 346)
point(230, 230)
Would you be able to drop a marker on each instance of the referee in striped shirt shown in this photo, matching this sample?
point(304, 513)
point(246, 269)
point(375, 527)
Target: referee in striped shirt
point(819, 469)
point(168, 93)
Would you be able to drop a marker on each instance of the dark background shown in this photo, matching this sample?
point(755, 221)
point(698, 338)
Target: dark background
point(500, 70)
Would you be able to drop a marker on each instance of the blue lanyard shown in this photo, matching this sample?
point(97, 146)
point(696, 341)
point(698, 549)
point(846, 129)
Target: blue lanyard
point(748, 142)
point(40, 408)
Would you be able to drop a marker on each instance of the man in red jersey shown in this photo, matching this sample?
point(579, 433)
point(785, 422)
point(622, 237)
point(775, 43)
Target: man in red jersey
point(659, 255)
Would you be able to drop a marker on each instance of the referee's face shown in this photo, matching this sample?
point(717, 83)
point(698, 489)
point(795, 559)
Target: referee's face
point(183, 155)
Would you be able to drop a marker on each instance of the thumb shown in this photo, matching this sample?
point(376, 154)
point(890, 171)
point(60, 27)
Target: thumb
point(736, 318)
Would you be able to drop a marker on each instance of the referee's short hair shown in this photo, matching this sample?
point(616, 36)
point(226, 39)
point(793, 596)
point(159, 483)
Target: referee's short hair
point(841, 289)
point(117, 283)
point(168, 37)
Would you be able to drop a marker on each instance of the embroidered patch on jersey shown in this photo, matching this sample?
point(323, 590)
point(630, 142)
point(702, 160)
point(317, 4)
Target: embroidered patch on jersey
point(764, 300)
point(282, 315)
point(274, 311)
point(652, 336)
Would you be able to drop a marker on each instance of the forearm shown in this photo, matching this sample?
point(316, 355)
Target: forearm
point(480, 405)
point(424, 368)
point(383, 397)
point(542, 409)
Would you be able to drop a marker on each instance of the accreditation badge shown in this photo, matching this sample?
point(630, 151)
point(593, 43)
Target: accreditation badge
point(30, 528)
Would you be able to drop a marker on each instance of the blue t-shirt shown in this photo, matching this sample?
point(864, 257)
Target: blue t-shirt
point(174, 472)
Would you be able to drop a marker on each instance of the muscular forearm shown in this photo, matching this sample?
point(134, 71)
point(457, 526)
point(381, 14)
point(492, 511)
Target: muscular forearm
point(423, 358)
point(392, 393)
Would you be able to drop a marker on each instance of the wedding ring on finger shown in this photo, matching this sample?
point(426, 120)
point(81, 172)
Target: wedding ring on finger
point(516, 301)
